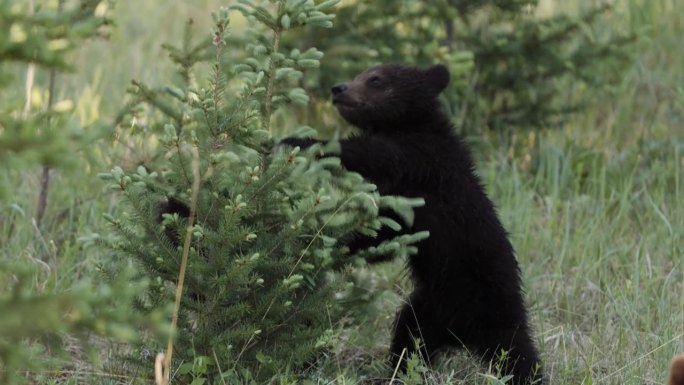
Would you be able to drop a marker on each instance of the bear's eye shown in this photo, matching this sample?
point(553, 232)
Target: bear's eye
point(374, 81)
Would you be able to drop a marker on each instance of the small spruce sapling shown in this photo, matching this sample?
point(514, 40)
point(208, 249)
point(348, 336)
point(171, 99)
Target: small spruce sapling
point(266, 270)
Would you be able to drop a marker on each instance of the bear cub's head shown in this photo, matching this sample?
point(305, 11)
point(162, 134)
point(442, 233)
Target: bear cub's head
point(391, 97)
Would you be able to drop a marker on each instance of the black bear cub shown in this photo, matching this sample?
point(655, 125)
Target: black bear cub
point(467, 281)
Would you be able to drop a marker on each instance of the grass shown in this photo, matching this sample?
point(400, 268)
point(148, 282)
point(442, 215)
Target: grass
point(596, 217)
point(602, 264)
point(597, 226)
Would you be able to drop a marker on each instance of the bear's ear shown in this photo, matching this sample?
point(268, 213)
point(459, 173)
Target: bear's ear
point(437, 77)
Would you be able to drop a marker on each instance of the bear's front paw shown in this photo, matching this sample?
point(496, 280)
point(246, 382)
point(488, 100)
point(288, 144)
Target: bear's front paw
point(302, 143)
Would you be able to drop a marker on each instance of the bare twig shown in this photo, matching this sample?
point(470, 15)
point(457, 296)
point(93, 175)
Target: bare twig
point(270, 88)
point(30, 76)
point(184, 260)
point(159, 370)
point(45, 175)
point(43, 195)
point(396, 369)
point(28, 88)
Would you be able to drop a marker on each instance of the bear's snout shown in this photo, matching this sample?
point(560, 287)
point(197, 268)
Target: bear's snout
point(339, 88)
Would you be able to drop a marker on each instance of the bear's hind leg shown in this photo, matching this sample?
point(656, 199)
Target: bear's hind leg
point(414, 321)
point(519, 358)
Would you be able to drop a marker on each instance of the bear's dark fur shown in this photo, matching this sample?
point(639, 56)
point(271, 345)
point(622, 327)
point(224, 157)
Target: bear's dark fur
point(467, 282)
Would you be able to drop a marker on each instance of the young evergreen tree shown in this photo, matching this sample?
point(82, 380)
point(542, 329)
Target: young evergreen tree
point(251, 232)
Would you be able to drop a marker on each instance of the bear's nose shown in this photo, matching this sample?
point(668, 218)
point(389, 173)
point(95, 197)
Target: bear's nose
point(339, 88)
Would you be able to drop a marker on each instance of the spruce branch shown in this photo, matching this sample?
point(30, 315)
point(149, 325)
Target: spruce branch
point(314, 238)
point(220, 23)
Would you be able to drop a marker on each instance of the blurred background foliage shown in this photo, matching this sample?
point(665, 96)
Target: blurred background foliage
point(513, 64)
